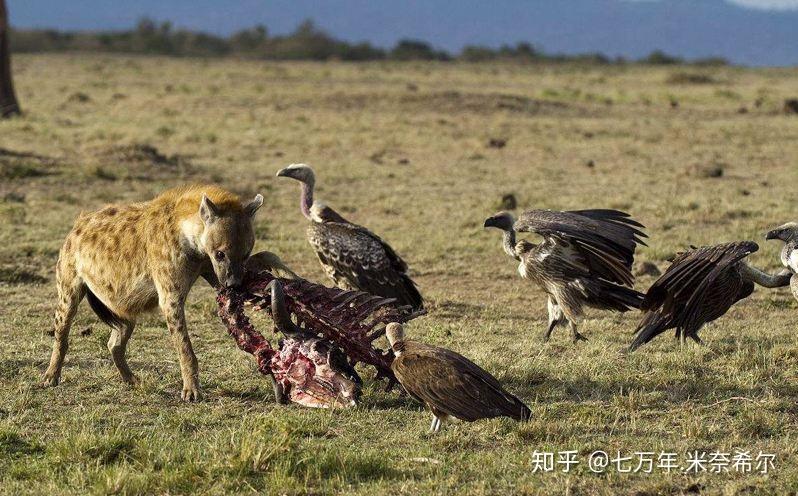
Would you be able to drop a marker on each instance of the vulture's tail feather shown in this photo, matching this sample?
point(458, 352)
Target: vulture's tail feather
point(410, 294)
point(652, 325)
point(613, 296)
point(524, 413)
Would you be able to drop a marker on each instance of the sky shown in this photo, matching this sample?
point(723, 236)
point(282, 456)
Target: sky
point(749, 32)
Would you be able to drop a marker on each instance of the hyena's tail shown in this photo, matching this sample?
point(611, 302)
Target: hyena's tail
point(103, 312)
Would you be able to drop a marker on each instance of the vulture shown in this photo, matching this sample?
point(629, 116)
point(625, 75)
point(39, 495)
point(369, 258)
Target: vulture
point(585, 260)
point(698, 287)
point(351, 255)
point(789, 254)
point(448, 383)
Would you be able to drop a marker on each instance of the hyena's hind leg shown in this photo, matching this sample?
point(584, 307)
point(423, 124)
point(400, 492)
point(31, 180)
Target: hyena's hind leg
point(121, 329)
point(71, 291)
point(117, 345)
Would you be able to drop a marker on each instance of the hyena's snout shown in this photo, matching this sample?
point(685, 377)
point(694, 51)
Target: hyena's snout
point(233, 277)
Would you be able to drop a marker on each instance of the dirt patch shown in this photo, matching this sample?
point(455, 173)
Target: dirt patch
point(713, 170)
point(139, 161)
point(479, 103)
point(508, 202)
point(448, 102)
point(644, 268)
point(690, 78)
point(15, 165)
point(13, 274)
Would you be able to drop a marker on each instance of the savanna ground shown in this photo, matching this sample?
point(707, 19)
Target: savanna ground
point(404, 150)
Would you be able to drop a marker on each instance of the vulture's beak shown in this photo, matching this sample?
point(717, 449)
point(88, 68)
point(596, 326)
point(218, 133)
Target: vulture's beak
point(774, 234)
point(283, 173)
point(490, 222)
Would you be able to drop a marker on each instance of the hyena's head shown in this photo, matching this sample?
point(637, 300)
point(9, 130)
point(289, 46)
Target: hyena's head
point(228, 237)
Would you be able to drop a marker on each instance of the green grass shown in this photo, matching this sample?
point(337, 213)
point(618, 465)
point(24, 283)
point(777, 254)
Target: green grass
point(402, 149)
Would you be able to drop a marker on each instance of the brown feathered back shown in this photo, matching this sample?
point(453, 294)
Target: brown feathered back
point(699, 286)
point(356, 258)
point(449, 383)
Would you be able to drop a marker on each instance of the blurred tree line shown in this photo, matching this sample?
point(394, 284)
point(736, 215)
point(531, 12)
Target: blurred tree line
point(307, 42)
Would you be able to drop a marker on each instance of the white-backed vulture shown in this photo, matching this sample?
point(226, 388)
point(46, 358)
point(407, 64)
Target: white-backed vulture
point(351, 255)
point(789, 253)
point(585, 260)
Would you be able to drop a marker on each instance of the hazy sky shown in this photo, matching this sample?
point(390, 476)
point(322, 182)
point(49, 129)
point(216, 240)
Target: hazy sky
point(754, 32)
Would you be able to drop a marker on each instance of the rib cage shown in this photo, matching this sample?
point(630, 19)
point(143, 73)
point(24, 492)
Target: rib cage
point(350, 319)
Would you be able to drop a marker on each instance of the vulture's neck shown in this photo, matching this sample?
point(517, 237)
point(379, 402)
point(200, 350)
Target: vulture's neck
point(398, 348)
point(508, 243)
point(306, 199)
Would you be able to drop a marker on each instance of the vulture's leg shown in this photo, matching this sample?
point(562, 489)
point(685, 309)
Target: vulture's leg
point(555, 317)
point(436, 424)
point(574, 333)
point(547, 334)
point(279, 392)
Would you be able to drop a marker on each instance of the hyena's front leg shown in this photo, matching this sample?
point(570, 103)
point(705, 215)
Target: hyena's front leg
point(172, 306)
point(71, 291)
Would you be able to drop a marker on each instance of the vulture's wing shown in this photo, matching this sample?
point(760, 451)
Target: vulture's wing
point(606, 238)
point(365, 261)
point(684, 296)
point(450, 383)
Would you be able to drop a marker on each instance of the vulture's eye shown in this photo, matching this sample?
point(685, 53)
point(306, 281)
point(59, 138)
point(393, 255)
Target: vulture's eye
point(219, 256)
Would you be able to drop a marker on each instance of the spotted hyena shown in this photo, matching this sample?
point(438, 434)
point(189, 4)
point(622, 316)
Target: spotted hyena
point(128, 259)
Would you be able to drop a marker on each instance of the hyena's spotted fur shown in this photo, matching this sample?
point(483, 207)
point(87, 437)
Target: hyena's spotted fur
point(128, 259)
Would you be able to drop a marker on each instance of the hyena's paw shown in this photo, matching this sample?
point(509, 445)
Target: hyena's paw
point(50, 379)
point(131, 379)
point(191, 393)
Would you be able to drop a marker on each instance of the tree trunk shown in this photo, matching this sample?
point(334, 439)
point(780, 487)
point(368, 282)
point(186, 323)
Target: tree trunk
point(8, 101)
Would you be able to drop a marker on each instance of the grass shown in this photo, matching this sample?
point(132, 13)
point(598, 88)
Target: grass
point(404, 149)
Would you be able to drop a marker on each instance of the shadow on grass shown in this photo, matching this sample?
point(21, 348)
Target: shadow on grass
point(580, 389)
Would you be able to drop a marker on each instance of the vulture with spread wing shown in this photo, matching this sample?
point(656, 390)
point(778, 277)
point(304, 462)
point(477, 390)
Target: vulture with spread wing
point(585, 260)
point(448, 383)
point(789, 253)
point(351, 255)
point(700, 286)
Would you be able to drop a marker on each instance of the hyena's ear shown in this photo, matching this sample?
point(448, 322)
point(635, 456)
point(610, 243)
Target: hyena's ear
point(253, 206)
point(208, 210)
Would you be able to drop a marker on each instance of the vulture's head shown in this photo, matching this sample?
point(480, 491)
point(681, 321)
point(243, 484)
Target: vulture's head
point(502, 220)
point(301, 172)
point(784, 232)
point(396, 335)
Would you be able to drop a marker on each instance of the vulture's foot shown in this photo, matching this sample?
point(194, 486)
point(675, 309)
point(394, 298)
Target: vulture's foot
point(578, 337)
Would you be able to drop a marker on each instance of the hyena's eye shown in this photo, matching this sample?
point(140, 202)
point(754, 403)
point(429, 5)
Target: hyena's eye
point(219, 256)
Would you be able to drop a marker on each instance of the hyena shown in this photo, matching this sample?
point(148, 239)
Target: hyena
point(128, 259)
